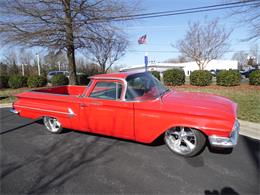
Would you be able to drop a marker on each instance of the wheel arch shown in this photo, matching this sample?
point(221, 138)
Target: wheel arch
point(161, 134)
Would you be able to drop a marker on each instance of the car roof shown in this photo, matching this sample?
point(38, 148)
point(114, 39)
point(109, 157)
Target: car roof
point(57, 71)
point(119, 75)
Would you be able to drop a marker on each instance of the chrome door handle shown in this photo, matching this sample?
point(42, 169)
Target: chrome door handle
point(96, 103)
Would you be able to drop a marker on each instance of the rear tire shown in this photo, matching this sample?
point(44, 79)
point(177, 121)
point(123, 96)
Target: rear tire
point(52, 124)
point(185, 141)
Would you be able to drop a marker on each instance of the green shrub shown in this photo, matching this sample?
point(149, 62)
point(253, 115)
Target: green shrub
point(83, 79)
point(4, 81)
point(156, 74)
point(59, 79)
point(228, 78)
point(17, 81)
point(200, 78)
point(174, 77)
point(36, 81)
point(254, 78)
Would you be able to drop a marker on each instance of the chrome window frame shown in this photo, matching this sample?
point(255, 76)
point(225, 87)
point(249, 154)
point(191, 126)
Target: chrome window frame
point(113, 78)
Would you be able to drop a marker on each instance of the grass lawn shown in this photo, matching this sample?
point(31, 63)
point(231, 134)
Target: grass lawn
point(246, 96)
point(7, 95)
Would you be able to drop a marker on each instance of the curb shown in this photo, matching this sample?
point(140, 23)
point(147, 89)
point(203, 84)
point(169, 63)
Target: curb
point(5, 105)
point(248, 129)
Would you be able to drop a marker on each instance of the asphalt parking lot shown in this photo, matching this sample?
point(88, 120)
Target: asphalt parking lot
point(34, 161)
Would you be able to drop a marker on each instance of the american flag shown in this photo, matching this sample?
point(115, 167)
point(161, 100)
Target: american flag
point(142, 39)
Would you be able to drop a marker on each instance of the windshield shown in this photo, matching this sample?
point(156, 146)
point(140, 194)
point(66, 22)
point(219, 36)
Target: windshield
point(143, 86)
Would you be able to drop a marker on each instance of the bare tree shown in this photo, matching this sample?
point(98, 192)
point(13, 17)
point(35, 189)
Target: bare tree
point(59, 24)
point(11, 59)
point(249, 16)
point(204, 42)
point(25, 57)
point(255, 53)
point(55, 58)
point(107, 50)
point(241, 57)
point(179, 59)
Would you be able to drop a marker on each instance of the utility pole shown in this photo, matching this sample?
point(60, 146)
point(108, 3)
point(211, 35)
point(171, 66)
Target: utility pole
point(22, 69)
point(38, 64)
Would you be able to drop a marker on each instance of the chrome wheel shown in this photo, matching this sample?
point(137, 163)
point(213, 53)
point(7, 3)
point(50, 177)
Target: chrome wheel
point(181, 140)
point(52, 124)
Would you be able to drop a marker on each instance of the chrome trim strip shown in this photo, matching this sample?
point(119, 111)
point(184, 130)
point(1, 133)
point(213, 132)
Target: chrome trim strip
point(70, 111)
point(12, 110)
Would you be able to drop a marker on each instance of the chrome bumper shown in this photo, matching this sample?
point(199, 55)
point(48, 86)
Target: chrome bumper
point(226, 142)
point(12, 110)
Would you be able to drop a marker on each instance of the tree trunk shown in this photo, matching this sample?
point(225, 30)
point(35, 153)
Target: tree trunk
point(103, 68)
point(70, 43)
point(72, 64)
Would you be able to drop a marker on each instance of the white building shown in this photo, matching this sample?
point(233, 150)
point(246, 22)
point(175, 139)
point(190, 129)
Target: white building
point(188, 67)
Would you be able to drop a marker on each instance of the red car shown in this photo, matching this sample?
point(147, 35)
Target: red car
point(135, 106)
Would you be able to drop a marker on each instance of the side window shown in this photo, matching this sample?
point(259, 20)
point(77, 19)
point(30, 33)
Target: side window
point(107, 90)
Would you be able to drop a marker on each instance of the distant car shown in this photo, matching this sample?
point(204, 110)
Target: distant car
point(214, 72)
point(52, 73)
point(246, 73)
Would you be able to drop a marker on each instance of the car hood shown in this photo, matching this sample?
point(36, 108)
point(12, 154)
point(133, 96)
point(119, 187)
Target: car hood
point(202, 104)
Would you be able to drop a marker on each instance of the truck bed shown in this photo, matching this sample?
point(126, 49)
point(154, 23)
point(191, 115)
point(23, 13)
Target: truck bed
point(61, 102)
point(64, 90)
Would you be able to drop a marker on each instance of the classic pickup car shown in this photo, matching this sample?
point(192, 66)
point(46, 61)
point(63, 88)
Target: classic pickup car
point(135, 106)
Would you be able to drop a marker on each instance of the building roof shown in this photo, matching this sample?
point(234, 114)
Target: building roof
point(174, 65)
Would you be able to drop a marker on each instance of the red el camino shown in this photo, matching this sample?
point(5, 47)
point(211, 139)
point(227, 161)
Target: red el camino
point(135, 106)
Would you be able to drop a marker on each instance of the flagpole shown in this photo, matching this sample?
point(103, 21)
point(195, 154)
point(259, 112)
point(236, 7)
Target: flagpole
point(141, 41)
point(146, 60)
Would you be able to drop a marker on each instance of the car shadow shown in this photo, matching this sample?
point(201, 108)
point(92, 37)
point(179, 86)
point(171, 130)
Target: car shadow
point(16, 128)
point(196, 161)
point(56, 168)
point(253, 147)
point(224, 191)
point(60, 161)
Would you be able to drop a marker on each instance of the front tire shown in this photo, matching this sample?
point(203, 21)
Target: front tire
point(52, 125)
point(185, 141)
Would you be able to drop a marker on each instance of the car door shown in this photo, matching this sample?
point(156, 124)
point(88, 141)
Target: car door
point(107, 113)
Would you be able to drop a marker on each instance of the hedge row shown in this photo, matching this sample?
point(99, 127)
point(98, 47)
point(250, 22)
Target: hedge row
point(171, 77)
point(174, 77)
point(156, 74)
point(254, 78)
point(204, 77)
point(4, 81)
point(33, 81)
point(36, 81)
point(228, 78)
point(200, 78)
point(59, 79)
point(17, 81)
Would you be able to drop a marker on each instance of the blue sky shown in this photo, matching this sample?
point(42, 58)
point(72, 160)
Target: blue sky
point(164, 31)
